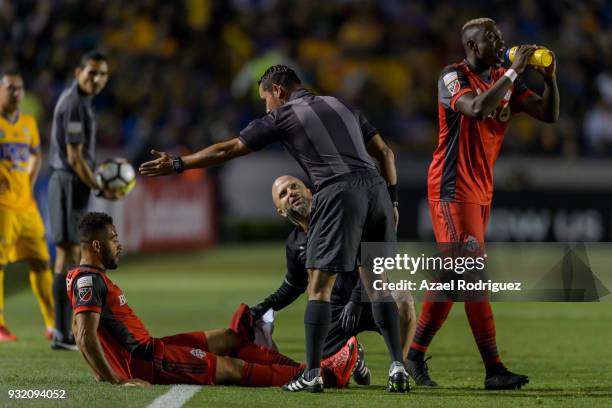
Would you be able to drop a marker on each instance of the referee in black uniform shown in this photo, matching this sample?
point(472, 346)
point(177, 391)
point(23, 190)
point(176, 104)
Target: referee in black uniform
point(72, 152)
point(334, 144)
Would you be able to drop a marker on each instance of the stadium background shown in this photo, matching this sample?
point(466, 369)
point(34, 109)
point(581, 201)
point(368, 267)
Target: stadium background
point(182, 77)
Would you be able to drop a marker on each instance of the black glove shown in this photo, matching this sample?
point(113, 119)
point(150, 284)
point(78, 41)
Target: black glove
point(258, 310)
point(350, 316)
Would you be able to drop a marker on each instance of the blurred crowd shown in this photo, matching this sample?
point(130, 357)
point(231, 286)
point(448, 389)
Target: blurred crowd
point(183, 73)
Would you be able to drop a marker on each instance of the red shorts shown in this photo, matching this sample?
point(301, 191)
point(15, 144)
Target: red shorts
point(179, 359)
point(459, 222)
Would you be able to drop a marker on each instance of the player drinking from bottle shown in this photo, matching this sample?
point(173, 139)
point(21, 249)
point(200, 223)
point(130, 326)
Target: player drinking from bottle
point(476, 99)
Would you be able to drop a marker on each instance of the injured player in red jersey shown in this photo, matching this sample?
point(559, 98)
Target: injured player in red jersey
point(118, 348)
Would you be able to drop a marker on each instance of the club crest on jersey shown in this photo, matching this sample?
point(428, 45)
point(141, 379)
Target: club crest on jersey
point(198, 353)
point(85, 294)
point(122, 299)
point(451, 81)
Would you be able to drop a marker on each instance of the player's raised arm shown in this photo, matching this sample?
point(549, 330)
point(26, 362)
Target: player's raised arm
point(481, 106)
point(210, 156)
point(546, 107)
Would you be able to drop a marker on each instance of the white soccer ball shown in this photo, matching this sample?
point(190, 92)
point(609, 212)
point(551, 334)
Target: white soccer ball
point(116, 174)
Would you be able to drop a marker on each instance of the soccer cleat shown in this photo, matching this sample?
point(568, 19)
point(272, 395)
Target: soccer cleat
point(361, 372)
point(419, 372)
point(299, 383)
point(342, 363)
point(398, 378)
point(6, 335)
point(57, 344)
point(505, 380)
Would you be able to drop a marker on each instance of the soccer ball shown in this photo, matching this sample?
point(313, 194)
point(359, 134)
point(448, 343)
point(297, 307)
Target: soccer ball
point(116, 174)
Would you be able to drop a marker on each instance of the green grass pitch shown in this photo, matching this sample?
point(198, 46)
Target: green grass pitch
point(564, 348)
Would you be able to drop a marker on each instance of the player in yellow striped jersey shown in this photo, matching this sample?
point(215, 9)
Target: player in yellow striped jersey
point(22, 233)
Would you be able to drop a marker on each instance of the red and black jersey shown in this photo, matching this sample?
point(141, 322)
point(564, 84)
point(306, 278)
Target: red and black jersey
point(121, 333)
point(462, 166)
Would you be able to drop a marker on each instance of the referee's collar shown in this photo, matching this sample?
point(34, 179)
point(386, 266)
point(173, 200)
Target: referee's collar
point(300, 93)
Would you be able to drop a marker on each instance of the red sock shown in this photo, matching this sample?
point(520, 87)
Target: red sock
point(480, 316)
point(252, 353)
point(275, 375)
point(433, 315)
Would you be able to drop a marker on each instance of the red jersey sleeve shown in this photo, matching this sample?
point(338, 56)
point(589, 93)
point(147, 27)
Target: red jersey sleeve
point(88, 293)
point(453, 83)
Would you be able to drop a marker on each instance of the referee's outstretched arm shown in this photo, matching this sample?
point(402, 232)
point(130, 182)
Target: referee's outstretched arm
point(210, 156)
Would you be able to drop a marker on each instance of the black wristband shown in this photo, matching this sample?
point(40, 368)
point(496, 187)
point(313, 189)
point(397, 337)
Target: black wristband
point(178, 165)
point(393, 194)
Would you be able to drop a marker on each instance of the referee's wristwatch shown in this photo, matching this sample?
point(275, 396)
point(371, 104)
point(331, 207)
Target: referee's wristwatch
point(177, 165)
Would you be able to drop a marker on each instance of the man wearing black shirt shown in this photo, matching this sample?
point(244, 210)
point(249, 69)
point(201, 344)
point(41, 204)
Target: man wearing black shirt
point(337, 148)
point(350, 316)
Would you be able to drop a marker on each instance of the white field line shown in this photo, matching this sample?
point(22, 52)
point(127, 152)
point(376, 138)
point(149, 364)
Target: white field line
point(176, 397)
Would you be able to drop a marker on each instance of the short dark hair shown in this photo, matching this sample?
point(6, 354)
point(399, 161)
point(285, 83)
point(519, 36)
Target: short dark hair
point(91, 225)
point(473, 26)
point(94, 55)
point(281, 75)
point(10, 70)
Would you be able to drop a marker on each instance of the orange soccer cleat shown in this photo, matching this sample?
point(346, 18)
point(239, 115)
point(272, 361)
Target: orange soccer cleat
point(341, 363)
point(6, 335)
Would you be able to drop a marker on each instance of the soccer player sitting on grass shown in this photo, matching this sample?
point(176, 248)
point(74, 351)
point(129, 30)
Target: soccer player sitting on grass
point(118, 348)
point(350, 315)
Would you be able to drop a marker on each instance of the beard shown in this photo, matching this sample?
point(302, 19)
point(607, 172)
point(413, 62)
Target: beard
point(301, 212)
point(109, 260)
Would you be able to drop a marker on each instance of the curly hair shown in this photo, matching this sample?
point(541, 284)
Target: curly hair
point(92, 224)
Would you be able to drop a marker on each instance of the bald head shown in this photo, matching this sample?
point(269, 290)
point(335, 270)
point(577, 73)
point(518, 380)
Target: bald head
point(291, 198)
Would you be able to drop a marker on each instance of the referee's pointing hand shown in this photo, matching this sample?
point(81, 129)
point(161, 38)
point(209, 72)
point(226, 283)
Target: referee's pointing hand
point(162, 166)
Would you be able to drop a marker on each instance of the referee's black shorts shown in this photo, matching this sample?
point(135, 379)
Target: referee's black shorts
point(354, 208)
point(68, 200)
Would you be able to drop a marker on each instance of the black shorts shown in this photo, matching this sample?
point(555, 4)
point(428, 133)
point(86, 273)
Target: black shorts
point(356, 208)
point(68, 200)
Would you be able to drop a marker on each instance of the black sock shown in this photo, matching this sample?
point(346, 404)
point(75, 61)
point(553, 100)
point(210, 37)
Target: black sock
point(386, 317)
point(415, 355)
point(317, 319)
point(60, 298)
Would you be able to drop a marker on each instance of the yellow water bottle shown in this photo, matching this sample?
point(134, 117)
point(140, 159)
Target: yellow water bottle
point(542, 57)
